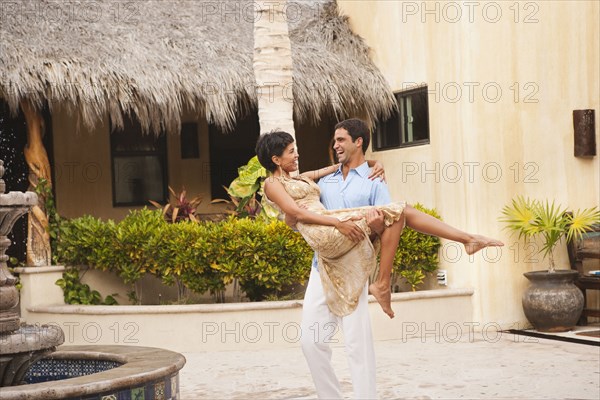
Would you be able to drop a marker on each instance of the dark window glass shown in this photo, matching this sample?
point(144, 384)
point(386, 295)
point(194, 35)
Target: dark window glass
point(409, 125)
point(190, 148)
point(139, 166)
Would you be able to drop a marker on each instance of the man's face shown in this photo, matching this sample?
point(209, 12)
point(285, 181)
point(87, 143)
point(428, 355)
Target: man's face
point(343, 146)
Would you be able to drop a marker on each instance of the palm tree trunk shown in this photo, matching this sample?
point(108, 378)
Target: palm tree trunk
point(273, 67)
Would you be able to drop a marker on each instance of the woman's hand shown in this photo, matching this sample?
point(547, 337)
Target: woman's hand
point(351, 230)
point(377, 171)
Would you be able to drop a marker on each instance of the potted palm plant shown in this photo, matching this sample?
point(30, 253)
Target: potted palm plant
point(552, 302)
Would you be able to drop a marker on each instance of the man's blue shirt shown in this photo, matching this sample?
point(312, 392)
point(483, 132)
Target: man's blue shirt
point(357, 190)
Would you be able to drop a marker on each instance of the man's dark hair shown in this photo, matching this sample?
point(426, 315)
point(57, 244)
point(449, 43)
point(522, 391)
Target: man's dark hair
point(272, 144)
point(356, 128)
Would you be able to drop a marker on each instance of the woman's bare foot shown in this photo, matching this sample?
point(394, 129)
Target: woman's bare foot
point(478, 242)
point(383, 297)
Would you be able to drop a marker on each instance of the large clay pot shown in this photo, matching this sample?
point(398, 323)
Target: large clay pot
point(552, 302)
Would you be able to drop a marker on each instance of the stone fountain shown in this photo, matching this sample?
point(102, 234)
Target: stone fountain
point(20, 346)
point(31, 368)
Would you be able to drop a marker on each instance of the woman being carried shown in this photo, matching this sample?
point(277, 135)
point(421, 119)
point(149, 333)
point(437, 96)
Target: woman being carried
point(345, 259)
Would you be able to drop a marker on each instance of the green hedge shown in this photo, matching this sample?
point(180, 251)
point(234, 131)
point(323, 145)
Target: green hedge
point(417, 253)
point(265, 257)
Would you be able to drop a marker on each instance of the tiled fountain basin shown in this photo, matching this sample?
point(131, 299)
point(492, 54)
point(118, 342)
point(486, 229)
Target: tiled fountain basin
point(126, 372)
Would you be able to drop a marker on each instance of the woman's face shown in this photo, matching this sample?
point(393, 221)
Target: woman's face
point(288, 160)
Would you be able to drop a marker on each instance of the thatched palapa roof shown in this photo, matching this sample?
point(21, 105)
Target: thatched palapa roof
point(153, 59)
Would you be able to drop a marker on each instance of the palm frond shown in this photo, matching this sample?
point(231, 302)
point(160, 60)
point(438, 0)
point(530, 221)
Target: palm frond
point(582, 221)
point(530, 218)
point(520, 217)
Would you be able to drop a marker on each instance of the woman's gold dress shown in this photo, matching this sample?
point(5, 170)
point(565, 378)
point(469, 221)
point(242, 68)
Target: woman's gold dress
point(344, 266)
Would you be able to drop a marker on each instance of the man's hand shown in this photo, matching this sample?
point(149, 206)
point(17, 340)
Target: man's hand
point(349, 229)
point(375, 221)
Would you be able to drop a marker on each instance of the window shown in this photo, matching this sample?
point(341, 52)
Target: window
point(190, 148)
point(409, 126)
point(139, 166)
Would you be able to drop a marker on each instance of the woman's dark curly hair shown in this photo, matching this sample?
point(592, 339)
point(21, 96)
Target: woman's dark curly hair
point(272, 144)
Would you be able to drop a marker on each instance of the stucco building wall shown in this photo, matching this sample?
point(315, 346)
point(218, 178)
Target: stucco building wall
point(503, 80)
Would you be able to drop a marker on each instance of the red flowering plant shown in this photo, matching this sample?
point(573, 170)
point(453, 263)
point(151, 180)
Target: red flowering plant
point(180, 208)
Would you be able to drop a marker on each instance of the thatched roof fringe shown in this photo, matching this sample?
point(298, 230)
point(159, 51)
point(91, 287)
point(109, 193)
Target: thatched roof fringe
point(165, 56)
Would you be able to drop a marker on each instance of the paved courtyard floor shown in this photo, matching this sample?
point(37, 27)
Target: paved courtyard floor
point(498, 365)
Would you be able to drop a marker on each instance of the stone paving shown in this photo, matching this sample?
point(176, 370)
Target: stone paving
point(493, 366)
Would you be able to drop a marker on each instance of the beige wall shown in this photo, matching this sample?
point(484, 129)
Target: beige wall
point(83, 171)
point(504, 78)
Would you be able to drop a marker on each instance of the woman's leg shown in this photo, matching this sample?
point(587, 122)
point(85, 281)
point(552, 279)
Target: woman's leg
point(381, 289)
point(425, 223)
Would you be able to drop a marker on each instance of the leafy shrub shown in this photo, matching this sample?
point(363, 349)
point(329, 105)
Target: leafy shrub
point(76, 292)
point(246, 190)
point(417, 253)
point(131, 254)
point(87, 241)
point(266, 257)
point(183, 254)
point(121, 247)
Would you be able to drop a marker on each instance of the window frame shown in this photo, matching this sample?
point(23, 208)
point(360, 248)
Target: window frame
point(399, 115)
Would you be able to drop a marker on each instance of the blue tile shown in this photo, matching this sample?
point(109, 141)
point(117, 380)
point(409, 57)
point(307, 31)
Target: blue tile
point(45, 370)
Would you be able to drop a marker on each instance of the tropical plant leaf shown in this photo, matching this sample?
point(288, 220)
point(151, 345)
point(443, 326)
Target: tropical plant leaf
point(530, 218)
point(155, 204)
point(180, 208)
point(248, 180)
point(582, 221)
point(520, 216)
point(175, 212)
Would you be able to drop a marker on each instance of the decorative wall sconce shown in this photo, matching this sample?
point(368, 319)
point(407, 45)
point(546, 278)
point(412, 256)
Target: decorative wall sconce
point(584, 128)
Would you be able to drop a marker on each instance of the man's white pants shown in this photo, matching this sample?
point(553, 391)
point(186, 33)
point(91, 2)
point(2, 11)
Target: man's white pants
point(319, 325)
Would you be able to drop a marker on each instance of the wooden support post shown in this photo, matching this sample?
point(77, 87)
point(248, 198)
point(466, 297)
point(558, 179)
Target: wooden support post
point(38, 238)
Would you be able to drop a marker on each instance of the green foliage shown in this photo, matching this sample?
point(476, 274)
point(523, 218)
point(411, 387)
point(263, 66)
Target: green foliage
point(248, 181)
point(183, 254)
point(266, 257)
point(130, 246)
point(417, 253)
point(532, 218)
point(414, 277)
point(76, 292)
point(44, 192)
point(121, 247)
point(87, 241)
point(244, 189)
